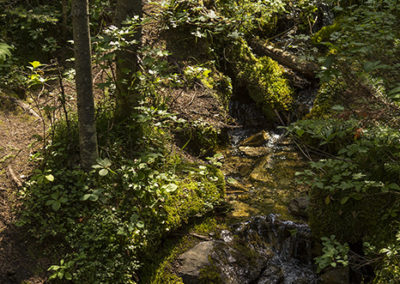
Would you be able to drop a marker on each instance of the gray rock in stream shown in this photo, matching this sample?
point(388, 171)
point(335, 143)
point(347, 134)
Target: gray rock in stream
point(216, 261)
point(299, 206)
point(192, 261)
point(260, 251)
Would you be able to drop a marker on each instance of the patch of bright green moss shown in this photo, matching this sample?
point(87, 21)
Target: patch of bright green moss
point(262, 77)
point(195, 196)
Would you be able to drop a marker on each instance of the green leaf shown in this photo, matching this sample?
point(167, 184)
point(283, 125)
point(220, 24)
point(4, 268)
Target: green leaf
point(86, 197)
point(394, 186)
point(170, 187)
point(35, 64)
point(56, 205)
point(338, 108)
point(50, 177)
point(103, 172)
point(327, 200)
point(344, 200)
point(93, 197)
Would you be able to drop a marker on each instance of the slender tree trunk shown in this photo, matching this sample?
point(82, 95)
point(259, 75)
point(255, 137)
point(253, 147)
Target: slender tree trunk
point(127, 60)
point(84, 84)
point(64, 17)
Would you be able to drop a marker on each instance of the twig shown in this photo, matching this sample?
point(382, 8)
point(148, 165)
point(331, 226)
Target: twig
point(201, 237)
point(13, 176)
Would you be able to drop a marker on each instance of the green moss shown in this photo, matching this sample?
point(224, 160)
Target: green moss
point(222, 84)
point(329, 94)
point(197, 194)
point(210, 274)
point(159, 268)
point(262, 77)
point(324, 34)
point(200, 138)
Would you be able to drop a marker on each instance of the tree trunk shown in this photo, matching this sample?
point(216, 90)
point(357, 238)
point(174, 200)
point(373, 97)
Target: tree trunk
point(84, 84)
point(127, 60)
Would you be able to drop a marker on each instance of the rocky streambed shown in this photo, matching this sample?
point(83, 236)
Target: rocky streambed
point(267, 239)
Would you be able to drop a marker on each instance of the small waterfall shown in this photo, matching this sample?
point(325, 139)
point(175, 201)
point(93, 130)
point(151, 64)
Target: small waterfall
point(291, 245)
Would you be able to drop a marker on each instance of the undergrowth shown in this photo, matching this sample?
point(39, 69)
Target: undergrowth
point(103, 221)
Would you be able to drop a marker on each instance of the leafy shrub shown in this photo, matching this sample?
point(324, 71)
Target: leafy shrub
point(346, 190)
point(329, 135)
point(333, 253)
point(106, 220)
point(364, 40)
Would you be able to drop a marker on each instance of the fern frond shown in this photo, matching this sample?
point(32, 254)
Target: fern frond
point(5, 51)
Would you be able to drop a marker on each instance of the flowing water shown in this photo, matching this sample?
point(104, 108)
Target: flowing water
point(260, 174)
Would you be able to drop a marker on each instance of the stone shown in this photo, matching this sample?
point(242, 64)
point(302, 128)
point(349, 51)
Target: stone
point(226, 236)
point(299, 206)
point(245, 170)
point(193, 260)
point(254, 151)
point(256, 140)
point(272, 275)
point(336, 276)
point(260, 172)
point(235, 184)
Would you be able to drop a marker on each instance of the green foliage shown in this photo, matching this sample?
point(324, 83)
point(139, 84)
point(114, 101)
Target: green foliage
point(199, 137)
point(328, 135)
point(364, 42)
point(5, 52)
point(105, 220)
point(388, 270)
point(31, 30)
point(333, 254)
point(347, 189)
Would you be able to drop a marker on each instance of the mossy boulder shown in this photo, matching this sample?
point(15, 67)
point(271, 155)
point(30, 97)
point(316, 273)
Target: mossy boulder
point(196, 195)
point(200, 138)
point(262, 78)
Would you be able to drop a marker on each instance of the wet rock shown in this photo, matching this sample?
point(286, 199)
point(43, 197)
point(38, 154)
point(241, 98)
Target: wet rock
point(336, 276)
point(299, 205)
point(226, 236)
point(245, 170)
point(260, 171)
point(192, 261)
point(272, 275)
point(238, 264)
point(216, 260)
point(256, 140)
point(235, 184)
point(254, 151)
point(242, 209)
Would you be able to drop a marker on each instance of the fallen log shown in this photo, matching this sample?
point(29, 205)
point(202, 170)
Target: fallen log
point(23, 105)
point(306, 69)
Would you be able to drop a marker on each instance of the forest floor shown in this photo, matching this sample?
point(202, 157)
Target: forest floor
point(21, 261)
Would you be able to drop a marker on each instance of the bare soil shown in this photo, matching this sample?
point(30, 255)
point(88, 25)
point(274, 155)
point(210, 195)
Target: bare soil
point(20, 260)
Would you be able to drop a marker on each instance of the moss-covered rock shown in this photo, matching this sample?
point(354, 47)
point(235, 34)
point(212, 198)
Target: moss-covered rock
point(263, 78)
point(203, 188)
point(200, 138)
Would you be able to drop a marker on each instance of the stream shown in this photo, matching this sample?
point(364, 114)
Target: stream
point(268, 240)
